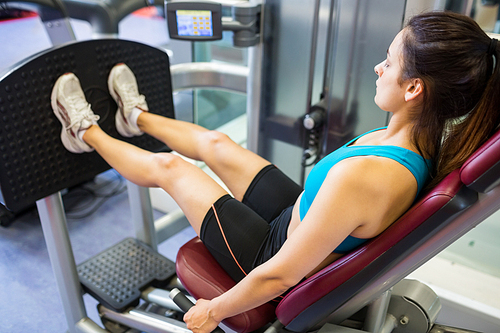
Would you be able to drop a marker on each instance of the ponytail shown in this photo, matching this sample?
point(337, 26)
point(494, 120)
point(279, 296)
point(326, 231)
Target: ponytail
point(463, 138)
point(459, 67)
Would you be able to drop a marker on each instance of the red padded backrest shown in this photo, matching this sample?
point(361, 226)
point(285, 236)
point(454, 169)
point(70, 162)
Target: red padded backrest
point(327, 280)
point(481, 171)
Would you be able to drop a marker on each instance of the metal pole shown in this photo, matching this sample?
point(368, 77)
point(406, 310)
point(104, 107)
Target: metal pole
point(254, 88)
point(144, 321)
point(377, 312)
point(253, 97)
point(56, 235)
point(142, 214)
point(312, 60)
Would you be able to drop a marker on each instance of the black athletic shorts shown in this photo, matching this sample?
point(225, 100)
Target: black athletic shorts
point(243, 235)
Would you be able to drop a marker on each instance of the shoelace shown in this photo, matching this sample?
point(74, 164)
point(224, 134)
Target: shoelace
point(131, 97)
point(82, 111)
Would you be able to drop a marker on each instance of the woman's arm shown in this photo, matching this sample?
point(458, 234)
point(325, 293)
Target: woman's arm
point(354, 195)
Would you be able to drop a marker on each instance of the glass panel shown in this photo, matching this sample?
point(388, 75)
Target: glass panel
point(487, 15)
point(213, 108)
point(485, 12)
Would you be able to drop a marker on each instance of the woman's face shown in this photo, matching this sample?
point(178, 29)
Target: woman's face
point(390, 94)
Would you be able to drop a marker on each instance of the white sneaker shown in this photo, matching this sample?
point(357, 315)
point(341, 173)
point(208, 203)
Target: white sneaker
point(73, 111)
point(123, 88)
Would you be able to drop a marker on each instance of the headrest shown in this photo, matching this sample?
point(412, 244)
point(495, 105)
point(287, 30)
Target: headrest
point(481, 171)
point(33, 162)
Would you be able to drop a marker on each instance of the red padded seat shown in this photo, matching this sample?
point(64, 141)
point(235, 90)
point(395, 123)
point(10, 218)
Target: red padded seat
point(203, 277)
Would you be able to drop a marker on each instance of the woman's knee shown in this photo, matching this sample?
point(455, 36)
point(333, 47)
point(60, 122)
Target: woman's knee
point(215, 142)
point(167, 161)
point(163, 164)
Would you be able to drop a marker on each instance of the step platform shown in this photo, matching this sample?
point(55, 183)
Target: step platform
point(116, 276)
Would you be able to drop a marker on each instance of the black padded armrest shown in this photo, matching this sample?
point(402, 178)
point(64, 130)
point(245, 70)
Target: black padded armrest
point(33, 161)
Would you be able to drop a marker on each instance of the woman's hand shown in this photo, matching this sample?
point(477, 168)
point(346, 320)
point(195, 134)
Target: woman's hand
point(199, 319)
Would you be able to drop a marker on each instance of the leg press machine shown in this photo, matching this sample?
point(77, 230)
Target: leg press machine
point(363, 291)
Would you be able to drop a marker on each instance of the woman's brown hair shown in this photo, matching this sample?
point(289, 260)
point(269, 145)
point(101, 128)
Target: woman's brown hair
point(454, 58)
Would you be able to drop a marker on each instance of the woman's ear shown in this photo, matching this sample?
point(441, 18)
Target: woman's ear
point(414, 89)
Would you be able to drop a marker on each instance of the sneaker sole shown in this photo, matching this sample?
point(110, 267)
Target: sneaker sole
point(55, 108)
point(119, 118)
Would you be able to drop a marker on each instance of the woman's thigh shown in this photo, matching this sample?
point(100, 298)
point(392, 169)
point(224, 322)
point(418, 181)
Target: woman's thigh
point(270, 192)
point(242, 234)
point(233, 234)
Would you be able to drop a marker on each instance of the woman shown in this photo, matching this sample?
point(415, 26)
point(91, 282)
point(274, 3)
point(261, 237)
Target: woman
point(437, 82)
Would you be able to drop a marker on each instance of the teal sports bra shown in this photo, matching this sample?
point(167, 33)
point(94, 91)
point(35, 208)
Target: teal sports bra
point(415, 163)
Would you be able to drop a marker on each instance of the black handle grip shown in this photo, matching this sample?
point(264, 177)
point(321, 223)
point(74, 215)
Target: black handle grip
point(185, 304)
point(181, 300)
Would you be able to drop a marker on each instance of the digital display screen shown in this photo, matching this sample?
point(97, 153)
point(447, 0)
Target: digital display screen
point(194, 22)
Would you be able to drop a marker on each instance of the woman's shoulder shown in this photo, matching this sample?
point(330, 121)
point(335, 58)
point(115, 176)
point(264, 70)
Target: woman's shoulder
point(380, 187)
point(373, 173)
